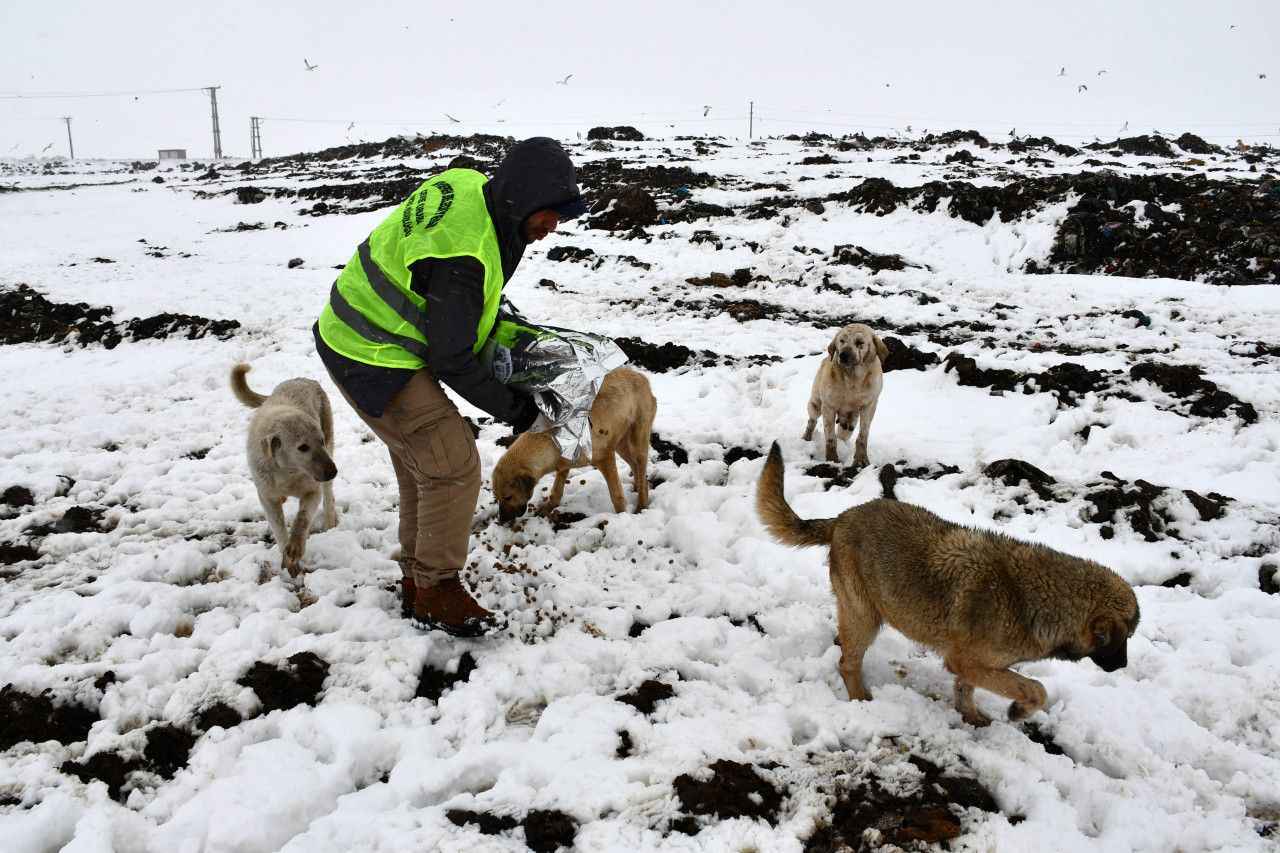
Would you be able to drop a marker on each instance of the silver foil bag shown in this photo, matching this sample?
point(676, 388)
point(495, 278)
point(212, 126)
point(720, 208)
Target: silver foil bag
point(562, 368)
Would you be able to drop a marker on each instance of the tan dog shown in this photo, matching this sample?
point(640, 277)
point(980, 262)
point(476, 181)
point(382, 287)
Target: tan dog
point(982, 600)
point(621, 421)
point(846, 389)
point(290, 451)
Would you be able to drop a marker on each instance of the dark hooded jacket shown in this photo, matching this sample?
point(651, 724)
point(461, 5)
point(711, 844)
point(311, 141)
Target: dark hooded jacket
point(535, 175)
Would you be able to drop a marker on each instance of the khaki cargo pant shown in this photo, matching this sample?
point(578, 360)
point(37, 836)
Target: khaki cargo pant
point(433, 452)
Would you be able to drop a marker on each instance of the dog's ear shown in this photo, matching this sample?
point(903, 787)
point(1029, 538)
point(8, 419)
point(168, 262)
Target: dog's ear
point(831, 349)
point(881, 349)
point(525, 483)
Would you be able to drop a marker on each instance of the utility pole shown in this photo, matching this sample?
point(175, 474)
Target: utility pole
point(255, 138)
point(217, 131)
point(751, 118)
point(70, 146)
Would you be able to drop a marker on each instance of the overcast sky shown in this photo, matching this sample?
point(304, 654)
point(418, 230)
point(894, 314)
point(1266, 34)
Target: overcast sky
point(396, 67)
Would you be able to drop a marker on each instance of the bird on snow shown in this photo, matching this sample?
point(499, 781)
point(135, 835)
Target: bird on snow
point(705, 110)
point(310, 67)
point(1013, 131)
point(452, 119)
point(1082, 88)
point(565, 81)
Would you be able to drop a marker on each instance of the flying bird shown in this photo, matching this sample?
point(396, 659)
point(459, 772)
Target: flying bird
point(1262, 77)
point(310, 67)
point(887, 85)
point(353, 124)
point(15, 145)
point(565, 81)
point(1126, 127)
point(46, 148)
point(1082, 88)
point(705, 110)
point(1062, 72)
point(452, 119)
point(500, 103)
point(1103, 71)
point(1232, 27)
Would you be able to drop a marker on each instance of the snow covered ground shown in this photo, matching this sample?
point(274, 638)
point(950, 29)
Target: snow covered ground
point(174, 589)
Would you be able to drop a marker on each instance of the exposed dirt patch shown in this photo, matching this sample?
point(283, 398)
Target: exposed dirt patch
point(1269, 578)
point(24, 717)
point(739, 278)
point(17, 496)
point(297, 680)
point(623, 208)
point(659, 358)
point(903, 356)
point(647, 696)
point(28, 317)
point(925, 815)
point(168, 748)
point(668, 450)
point(857, 256)
point(488, 824)
point(218, 714)
point(733, 454)
point(625, 747)
point(889, 475)
point(733, 790)
point(621, 133)
point(111, 768)
point(547, 830)
point(434, 683)
point(564, 520)
point(1187, 382)
point(16, 552)
point(1014, 472)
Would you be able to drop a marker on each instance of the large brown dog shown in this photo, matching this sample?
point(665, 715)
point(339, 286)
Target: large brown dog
point(621, 421)
point(983, 600)
point(290, 451)
point(846, 389)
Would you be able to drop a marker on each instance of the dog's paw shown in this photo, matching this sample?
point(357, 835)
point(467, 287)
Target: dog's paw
point(975, 718)
point(292, 557)
point(1034, 697)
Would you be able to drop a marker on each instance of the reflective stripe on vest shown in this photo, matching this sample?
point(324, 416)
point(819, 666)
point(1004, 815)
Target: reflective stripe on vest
point(373, 315)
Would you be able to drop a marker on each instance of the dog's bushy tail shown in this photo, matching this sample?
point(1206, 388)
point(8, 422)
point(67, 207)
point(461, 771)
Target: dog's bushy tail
point(776, 514)
point(241, 388)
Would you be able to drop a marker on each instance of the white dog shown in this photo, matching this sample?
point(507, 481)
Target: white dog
point(290, 452)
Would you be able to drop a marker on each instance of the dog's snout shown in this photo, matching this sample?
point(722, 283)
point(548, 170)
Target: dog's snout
point(328, 471)
point(845, 355)
point(507, 515)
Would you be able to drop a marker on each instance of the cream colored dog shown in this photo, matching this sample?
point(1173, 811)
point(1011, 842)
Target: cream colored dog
point(846, 389)
point(290, 451)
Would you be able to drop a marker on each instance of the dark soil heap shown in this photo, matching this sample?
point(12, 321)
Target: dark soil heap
point(734, 790)
point(295, 681)
point(1227, 232)
point(26, 316)
point(36, 718)
point(925, 816)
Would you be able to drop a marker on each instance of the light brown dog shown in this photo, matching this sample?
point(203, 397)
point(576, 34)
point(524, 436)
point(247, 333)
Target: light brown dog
point(982, 600)
point(846, 389)
point(290, 452)
point(621, 421)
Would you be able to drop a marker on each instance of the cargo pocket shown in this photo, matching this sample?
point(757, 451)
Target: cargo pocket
point(441, 444)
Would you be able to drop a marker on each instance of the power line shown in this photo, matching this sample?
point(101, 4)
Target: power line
point(32, 96)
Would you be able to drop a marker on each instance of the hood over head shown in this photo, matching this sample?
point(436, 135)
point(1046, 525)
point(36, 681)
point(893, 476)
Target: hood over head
point(536, 174)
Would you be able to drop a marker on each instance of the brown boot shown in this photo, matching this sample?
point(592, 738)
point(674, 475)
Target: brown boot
point(448, 607)
point(407, 591)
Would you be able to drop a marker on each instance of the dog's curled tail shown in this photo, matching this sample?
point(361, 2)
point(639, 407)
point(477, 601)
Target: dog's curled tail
point(241, 388)
point(776, 514)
